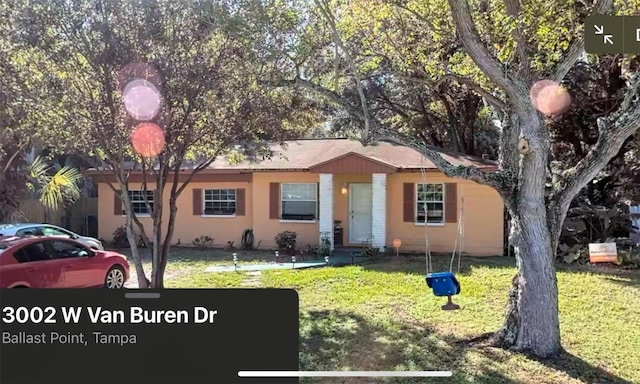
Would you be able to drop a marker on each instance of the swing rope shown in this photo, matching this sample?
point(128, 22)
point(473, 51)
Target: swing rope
point(459, 244)
point(462, 230)
point(423, 170)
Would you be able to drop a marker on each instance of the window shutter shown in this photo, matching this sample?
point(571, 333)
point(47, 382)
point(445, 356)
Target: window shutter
point(240, 202)
point(451, 203)
point(197, 202)
point(409, 205)
point(117, 203)
point(274, 201)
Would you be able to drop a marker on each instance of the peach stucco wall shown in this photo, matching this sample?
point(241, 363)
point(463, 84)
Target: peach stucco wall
point(265, 229)
point(483, 218)
point(483, 214)
point(188, 227)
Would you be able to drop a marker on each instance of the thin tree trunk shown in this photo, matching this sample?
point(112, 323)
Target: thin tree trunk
point(137, 261)
point(157, 248)
point(164, 256)
point(143, 282)
point(162, 267)
point(157, 272)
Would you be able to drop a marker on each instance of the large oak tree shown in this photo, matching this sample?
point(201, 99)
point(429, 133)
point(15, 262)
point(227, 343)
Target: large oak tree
point(344, 50)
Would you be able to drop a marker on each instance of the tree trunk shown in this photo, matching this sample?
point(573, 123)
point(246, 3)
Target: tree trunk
point(532, 322)
point(157, 272)
point(164, 248)
point(157, 278)
point(143, 282)
point(142, 278)
point(162, 267)
point(156, 248)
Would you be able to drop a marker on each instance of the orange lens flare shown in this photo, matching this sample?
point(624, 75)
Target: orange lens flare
point(148, 140)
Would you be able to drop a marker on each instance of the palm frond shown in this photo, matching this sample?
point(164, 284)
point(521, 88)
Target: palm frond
point(56, 189)
point(39, 168)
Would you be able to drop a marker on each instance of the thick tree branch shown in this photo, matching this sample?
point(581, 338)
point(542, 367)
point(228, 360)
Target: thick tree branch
point(614, 131)
point(491, 99)
point(453, 126)
point(487, 63)
point(327, 93)
point(514, 10)
point(15, 155)
point(494, 179)
point(576, 50)
point(508, 155)
point(325, 9)
point(570, 58)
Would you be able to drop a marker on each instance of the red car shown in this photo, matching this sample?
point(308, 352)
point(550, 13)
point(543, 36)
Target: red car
point(53, 262)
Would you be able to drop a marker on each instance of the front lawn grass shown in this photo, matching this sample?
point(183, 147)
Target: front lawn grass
point(186, 265)
point(382, 316)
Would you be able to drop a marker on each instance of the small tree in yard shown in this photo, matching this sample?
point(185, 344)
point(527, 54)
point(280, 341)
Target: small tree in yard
point(196, 60)
point(28, 118)
point(375, 43)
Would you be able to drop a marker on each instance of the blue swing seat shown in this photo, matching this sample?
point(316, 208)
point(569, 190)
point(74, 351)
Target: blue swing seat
point(443, 283)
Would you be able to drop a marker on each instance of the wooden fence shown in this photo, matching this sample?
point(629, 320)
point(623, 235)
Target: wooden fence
point(81, 218)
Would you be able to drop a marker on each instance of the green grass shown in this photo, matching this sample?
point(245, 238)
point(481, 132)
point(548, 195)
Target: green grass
point(383, 317)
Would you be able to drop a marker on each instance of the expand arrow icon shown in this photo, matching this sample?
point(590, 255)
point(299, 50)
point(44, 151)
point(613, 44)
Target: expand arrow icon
point(599, 29)
point(607, 39)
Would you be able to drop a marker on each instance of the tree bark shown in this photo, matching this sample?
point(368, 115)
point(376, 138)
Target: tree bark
point(166, 246)
point(143, 282)
point(532, 322)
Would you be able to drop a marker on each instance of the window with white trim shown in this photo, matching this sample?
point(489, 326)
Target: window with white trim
point(299, 201)
point(219, 202)
point(430, 202)
point(138, 203)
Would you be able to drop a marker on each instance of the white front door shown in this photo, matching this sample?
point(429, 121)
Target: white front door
point(360, 207)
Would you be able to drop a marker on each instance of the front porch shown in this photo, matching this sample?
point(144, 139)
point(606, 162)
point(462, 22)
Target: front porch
point(353, 210)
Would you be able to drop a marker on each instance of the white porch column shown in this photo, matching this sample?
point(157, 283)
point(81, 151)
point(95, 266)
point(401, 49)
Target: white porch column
point(379, 210)
point(326, 206)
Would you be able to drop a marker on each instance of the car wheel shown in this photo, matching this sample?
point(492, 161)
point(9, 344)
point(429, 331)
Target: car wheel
point(114, 278)
point(20, 286)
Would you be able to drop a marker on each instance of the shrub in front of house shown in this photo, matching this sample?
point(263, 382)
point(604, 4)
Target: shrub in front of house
point(120, 239)
point(286, 241)
point(203, 241)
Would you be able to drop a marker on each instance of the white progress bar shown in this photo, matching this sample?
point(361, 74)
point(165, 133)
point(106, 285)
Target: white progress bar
point(345, 374)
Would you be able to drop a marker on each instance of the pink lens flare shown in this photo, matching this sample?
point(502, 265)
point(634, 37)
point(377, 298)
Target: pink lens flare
point(550, 98)
point(141, 99)
point(148, 140)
